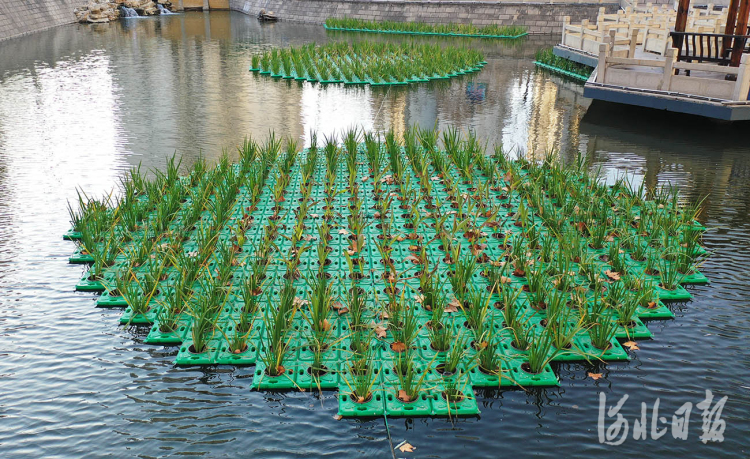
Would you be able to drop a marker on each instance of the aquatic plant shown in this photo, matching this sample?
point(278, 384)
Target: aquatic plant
point(491, 30)
point(368, 62)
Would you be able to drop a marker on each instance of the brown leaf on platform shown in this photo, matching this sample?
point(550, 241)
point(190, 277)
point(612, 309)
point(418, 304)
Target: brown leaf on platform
point(412, 258)
point(406, 448)
point(403, 396)
point(453, 306)
point(398, 346)
point(338, 417)
point(344, 231)
point(631, 345)
point(380, 331)
point(595, 376)
point(615, 276)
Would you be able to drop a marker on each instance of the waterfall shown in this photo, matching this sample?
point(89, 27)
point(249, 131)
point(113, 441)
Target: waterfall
point(128, 12)
point(163, 10)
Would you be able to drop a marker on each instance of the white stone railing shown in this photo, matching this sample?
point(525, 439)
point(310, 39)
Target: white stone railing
point(649, 25)
point(669, 75)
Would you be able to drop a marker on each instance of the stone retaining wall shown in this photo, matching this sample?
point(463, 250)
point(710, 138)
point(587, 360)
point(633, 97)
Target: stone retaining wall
point(21, 17)
point(537, 17)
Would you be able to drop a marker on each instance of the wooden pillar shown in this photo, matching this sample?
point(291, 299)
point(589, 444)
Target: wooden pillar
point(731, 17)
point(729, 29)
point(682, 15)
point(740, 29)
point(681, 22)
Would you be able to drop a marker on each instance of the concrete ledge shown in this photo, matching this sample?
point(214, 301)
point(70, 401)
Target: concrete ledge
point(575, 55)
point(709, 108)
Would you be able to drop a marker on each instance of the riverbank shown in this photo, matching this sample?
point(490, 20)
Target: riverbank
point(20, 17)
point(537, 17)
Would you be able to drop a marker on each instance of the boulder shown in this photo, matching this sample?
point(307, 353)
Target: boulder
point(98, 11)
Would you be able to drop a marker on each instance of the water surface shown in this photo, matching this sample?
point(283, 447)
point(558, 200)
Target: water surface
point(81, 104)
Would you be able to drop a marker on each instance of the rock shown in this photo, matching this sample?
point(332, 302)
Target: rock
point(98, 11)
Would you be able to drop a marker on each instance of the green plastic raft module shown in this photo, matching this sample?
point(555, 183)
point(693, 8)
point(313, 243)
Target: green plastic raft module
point(402, 275)
point(546, 59)
point(417, 28)
point(376, 64)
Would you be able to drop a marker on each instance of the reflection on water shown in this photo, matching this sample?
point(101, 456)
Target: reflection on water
point(81, 104)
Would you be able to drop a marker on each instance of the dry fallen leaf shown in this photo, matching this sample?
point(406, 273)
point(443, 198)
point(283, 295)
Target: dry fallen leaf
point(337, 417)
point(308, 237)
point(344, 231)
point(612, 275)
point(452, 306)
point(380, 332)
point(403, 396)
point(412, 258)
point(419, 299)
point(505, 280)
point(377, 215)
point(398, 346)
point(631, 345)
point(406, 448)
point(595, 376)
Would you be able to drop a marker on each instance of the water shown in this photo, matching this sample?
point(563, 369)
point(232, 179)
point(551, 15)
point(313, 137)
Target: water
point(163, 10)
point(81, 104)
point(128, 12)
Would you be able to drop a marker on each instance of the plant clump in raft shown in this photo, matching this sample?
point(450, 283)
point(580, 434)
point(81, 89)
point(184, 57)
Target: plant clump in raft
point(421, 28)
point(404, 274)
point(368, 63)
point(546, 59)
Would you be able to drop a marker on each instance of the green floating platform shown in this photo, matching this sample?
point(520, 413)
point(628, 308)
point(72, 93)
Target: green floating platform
point(374, 218)
point(428, 34)
point(376, 64)
point(567, 73)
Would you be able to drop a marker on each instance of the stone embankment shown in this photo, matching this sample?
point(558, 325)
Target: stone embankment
point(108, 10)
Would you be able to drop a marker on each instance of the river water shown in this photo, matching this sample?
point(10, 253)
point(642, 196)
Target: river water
point(80, 104)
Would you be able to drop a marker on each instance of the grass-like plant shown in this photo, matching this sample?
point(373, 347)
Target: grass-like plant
point(491, 30)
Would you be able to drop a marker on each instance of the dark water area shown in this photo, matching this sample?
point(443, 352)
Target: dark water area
point(79, 105)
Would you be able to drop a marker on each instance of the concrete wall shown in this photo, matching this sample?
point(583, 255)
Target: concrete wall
point(21, 17)
point(538, 17)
